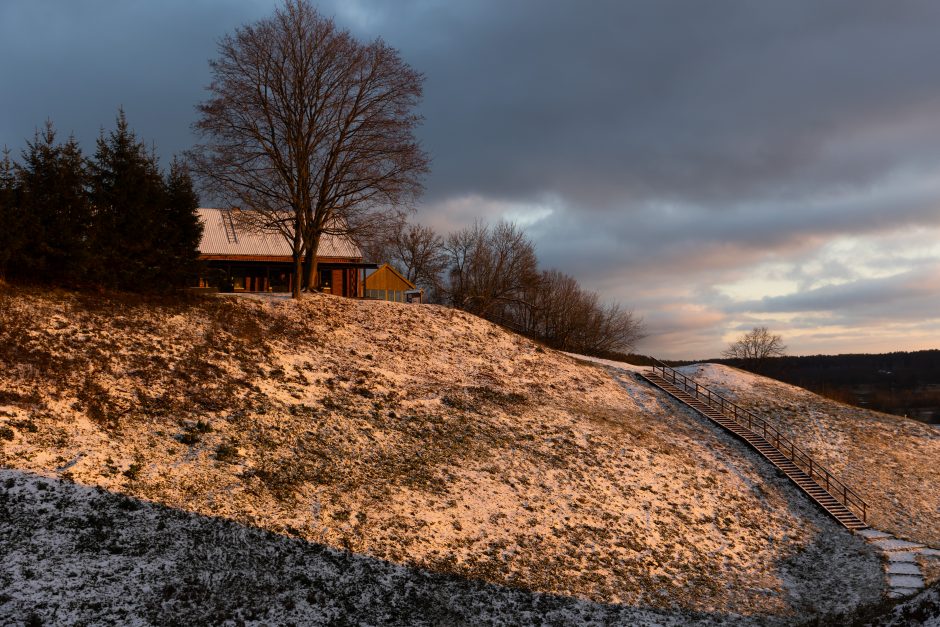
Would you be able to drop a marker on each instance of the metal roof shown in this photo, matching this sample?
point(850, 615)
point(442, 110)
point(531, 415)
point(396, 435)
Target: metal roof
point(221, 236)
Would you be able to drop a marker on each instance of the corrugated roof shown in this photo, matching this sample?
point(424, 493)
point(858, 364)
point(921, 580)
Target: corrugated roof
point(220, 236)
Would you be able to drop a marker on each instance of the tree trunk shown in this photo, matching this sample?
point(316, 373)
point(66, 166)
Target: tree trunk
point(312, 263)
point(298, 274)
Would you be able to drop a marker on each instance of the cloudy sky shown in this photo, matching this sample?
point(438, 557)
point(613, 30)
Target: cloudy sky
point(713, 165)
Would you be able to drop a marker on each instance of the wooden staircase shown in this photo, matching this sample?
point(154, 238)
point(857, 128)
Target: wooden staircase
point(840, 501)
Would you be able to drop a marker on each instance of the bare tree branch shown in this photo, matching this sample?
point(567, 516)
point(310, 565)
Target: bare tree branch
point(309, 131)
point(755, 346)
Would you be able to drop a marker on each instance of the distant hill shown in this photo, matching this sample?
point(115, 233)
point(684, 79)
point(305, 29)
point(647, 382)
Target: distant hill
point(901, 383)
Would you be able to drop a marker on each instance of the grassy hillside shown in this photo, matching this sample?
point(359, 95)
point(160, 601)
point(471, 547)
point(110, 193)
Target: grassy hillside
point(892, 461)
point(77, 555)
point(416, 436)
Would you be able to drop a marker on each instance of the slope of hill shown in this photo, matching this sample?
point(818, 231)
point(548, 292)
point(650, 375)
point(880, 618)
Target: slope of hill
point(892, 460)
point(77, 555)
point(413, 436)
point(900, 383)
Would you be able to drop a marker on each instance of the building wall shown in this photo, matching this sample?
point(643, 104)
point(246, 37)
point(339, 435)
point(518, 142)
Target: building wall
point(264, 276)
point(386, 279)
point(385, 284)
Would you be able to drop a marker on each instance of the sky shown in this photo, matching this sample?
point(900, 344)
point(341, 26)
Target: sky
point(713, 166)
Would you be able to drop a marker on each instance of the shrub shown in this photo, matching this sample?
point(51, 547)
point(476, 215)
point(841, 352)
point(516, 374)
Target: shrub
point(133, 471)
point(226, 452)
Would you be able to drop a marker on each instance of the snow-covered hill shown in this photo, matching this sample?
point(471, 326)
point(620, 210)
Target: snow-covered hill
point(893, 461)
point(415, 438)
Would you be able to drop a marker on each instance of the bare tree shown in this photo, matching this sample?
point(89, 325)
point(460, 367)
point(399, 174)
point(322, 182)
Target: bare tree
point(309, 131)
point(613, 329)
point(569, 318)
point(493, 272)
point(489, 269)
point(419, 254)
point(755, 346)
point(378, 245)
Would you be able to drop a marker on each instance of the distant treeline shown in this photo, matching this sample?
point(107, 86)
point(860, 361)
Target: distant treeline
point(112, 221)
point(493, 272)
point(902, 383)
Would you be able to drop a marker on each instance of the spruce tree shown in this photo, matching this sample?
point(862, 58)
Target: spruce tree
point(181, 228)
point(129, 196)
point(55, 207)
point(11, 232)
point(54, 210)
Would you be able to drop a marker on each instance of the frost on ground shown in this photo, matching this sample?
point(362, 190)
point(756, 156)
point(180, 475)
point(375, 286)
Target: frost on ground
point(77, 555)
point(416, 436)
point(891, 461)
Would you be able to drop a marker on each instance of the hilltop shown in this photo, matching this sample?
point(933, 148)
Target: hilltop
point(456, 460)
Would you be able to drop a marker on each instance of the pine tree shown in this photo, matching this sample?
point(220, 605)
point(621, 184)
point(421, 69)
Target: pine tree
point(129, 196)
point(54, 210)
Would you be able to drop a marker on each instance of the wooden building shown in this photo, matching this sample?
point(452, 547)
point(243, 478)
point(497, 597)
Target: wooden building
point(241, 261)
point(387, 283)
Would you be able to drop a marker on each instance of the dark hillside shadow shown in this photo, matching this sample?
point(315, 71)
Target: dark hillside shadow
point(72, 554)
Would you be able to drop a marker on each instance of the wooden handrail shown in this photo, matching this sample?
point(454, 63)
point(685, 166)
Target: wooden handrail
point(799, 457)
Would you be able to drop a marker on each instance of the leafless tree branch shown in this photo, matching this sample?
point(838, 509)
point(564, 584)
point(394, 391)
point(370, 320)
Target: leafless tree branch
point(309, 131)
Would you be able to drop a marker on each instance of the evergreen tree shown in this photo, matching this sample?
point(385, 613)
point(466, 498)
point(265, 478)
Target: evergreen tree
point(54, 210)
point(129, 196)
point(114, 221)
point(182, 229)
point(11, 231)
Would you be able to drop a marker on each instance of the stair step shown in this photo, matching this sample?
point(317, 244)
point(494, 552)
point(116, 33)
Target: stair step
point(764, 446)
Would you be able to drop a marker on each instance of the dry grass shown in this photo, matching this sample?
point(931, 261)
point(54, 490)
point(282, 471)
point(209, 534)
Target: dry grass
point(891, 461)
point(419, 435)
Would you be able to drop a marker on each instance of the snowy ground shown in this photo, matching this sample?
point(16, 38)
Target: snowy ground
point(892, 461)
point(414, 437)
point(76, 555)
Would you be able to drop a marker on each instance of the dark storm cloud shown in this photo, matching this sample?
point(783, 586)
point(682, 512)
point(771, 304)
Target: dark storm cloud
point(76, 61)
point(610, 104)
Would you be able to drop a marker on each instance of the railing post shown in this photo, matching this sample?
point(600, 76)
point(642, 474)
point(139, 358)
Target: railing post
point(754, 421)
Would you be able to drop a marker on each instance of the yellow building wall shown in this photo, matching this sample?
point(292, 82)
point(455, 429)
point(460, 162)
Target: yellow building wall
point(385, 284)
point(385, 279)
